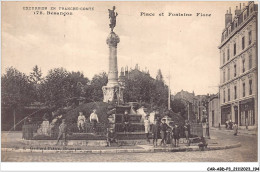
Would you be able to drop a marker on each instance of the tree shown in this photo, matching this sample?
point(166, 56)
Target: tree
point(159, 76)
point(36, 79)
point(97, 82)
point(61, 86)
point(54, 87)
point(16, 88)
point(36, 75)
point(178, 106)
point(17, 92)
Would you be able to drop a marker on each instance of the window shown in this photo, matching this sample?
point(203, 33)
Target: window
point(245, 16)
point(250, 87)
point(235, 51)
point(224, 100)
point(235, 70)
point(243, 43)
point(243, 62)
point(223, 57)
point(228, 74)
point(228, 54)
point(250, 61)
point(228, 94)
point(235, 92)
point(224, 76)
point(249, 37)
point(244, 89)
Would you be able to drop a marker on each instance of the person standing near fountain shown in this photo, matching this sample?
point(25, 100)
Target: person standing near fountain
point(147, 127)
point(94, 120)
point(62, 132)
point(81, 122)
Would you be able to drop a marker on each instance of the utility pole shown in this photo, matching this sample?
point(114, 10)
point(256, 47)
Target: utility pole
point(188, 110)
point(14, 118)
point(169, 92)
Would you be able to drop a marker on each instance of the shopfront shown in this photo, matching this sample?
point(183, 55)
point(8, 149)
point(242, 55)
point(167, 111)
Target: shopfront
point(247, 115)
point(225, 114)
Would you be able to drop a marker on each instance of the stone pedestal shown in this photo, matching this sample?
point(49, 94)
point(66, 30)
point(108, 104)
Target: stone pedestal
point(112, 91)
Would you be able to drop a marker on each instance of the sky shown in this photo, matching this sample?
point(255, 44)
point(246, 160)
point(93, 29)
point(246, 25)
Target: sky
point(183, 47)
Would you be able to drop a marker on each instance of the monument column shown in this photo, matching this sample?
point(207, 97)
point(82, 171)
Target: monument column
point(113, 91)
point(112, 42)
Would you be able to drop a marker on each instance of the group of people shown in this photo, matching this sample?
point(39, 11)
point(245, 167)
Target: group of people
point(93, 119)
point(231, 125)
point(63, 128)
point(158, 128)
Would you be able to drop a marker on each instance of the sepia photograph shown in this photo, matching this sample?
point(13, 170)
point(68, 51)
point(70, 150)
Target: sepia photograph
point(130, 81)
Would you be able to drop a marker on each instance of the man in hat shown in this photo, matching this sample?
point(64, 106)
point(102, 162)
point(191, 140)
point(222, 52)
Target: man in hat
point(62, 132)
point(176, 135)
point(155, 132)
point(81, 122)
point(163, 128)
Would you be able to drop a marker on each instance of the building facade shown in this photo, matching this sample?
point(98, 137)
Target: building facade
point(196, 105)
point(238, 67)
point(214, 111)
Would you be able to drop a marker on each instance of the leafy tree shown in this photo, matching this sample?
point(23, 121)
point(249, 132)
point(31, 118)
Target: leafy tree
point(178, 106)
point(16, 89)
point(54, 87)
point(159, 76)
point(97, 82)
point(61, 86)
point(36, 75)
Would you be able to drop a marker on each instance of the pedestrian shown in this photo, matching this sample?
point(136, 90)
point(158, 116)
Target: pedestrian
point(62, 132)
point(176, 135)
point(152, 117)
point(147, 127)
point(207, 129)
point(111, 136)
point(126, 122)
point(230, 124)
point(155, 132)
point(163, 128)
point(202, 144)
point(187, 130)
point(94, 120)
point(81, 122)
point(235, 129)
point(226, 124)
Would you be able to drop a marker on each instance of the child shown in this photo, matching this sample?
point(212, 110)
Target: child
point(176, 135)
point(163, 128)
point(155, 132)
point(111, 137)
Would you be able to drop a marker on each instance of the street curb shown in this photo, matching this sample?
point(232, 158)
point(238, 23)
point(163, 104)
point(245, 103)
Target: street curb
point(113, 151)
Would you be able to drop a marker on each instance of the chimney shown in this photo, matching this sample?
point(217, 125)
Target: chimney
point(122, 72)
point(126, 72)
point(238, 11)
point(228, 17)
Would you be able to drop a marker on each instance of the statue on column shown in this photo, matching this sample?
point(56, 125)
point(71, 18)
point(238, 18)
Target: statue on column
point(112, 16)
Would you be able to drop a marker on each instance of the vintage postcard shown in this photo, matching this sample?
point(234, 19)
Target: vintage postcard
point(130, 81)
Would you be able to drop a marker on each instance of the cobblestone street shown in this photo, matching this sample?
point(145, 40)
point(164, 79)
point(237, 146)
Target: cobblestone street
point(246, 153)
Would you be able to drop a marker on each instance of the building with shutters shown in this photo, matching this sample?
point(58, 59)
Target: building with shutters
point(238, 67)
